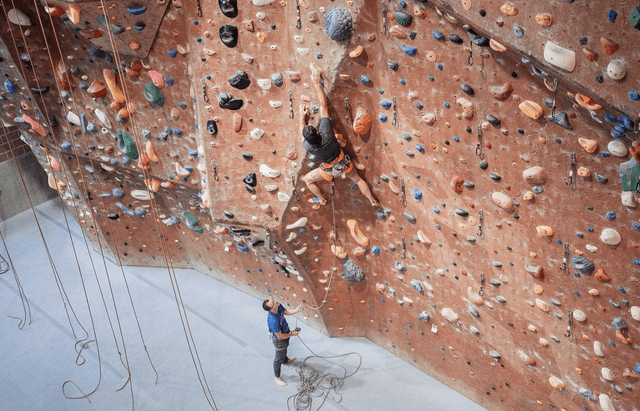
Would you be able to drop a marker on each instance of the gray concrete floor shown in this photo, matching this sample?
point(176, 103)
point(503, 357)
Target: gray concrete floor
point(228, 327)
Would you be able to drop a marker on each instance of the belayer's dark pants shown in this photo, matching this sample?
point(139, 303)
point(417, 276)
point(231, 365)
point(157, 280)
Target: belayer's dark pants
point(281, 355)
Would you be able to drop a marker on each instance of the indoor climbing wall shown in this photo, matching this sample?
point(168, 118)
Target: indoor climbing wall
point(499, 139)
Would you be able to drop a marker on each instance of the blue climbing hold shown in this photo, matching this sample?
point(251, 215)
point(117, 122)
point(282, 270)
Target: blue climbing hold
point(416, 193)
point(611, 215)
point(447, 104)
point(411, 51)
point(402, 81)
point(518, 31)
point(612, 16)
point(385, 103)
point(633, 95)
point(172, 52)
point(436, 210)
point(420, 148)
point(382, 117)
point(242, 248)
point(635, 225)
point(9, 86)
point(437, 35)
point(376, 250)
point(364, 79)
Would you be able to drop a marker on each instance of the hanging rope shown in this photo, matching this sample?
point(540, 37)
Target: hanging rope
point(4, 268)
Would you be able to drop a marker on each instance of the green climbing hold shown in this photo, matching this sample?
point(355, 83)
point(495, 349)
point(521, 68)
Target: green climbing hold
point(101, 19)
point(629, 175)
point(402, 18)
point(127, 145)
point(192, 222)
point(153, 95)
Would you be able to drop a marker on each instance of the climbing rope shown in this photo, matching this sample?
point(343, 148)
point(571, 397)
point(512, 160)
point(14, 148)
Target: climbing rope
point(315, 384)
point(4, 268)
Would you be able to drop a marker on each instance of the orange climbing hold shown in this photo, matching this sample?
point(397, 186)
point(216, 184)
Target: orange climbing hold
point(362, 122)
point(110, 79)
point(35, 126)
point(457, 184)
point(97, 89)
point(357, 52)
point(74, 14)
point(587, 102)
point(609, 46)
point(531, 109)
point(601, 276)
point(357, 234)
point(151, 153)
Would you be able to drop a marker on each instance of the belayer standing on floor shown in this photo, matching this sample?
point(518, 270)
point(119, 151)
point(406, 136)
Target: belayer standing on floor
point(280, 334)
point(322, 143)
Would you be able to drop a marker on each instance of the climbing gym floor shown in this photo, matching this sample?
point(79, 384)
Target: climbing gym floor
point(227, 325)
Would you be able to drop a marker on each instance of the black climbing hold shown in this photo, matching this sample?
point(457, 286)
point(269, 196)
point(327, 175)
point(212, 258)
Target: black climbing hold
point(562, 119)
point(228, 101)
point(514, 74)
point(521, 131)
point(229, 35)
point(229, 7)
point(412, 35)
point(257, 243)
point(352, 273)
point(547, 101)
point(212, 127)
point(467, 89)
point(40, 91)
point(228, 214)
point(242, 232)
point(601, 179)
point(493, 120)
point(582, 264)
point(250, 179)
point(477, 39)
point(482, 13)
point(277, 80)
point(393, 65)
point(495, 176)
point(454, 38)
point(402, 18)
point(410, 218)
point(250, 189)
point(483, 164)
point(247, 156)
point(337, 23)
point(418, 105)
point(461, 212)
point(539, 72)
point(240, 80)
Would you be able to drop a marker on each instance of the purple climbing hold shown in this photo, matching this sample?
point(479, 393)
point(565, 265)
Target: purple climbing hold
point(338, 24)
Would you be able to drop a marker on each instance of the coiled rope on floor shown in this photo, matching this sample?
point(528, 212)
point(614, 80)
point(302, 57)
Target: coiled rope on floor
point(315, 384)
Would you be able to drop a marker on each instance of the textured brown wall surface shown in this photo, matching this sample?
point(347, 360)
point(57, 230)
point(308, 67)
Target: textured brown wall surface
point(490, 240)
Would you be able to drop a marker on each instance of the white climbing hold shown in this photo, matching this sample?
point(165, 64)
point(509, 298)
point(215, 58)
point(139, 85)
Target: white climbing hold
point(635, 313)
point(181, 171)
point(261, 15)
point(628, 199)
point(605, 403)
point(264, 83)
point(598, 349)
point(556, 382)
point(143, 195)
point(303, 51)
point(300, 251)
point(275, 103)
point(257, 133)
point(591, 247)
point(298, 224)
point(617, 148)
point(271, 187)
point(535, 175)
point(103, 118)
point(18, 18)
point(559, 56)
point(262, 2)
point(267, 171)
point(610, 236)
point(298, 38)
point(579, 315)
point(73, 118)
point(248, 58)
point(283, 197)
point(606, 374)
point(292, 236)
point(449, 314)
point(502, 200)
point(616, 69)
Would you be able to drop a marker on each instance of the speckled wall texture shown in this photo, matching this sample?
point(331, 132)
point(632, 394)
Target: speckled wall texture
point(499, 139)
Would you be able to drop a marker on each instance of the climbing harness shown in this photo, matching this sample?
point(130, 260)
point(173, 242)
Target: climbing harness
point(337, 169)
point(479, 152)
point(569, 324)
point(295, 192)
point(290, 104)
point(565, 257)
point(571, 181)
point(480, 222)
point(384, 18)
point(347, 113)
point(403, 196)
point(481, 292)
point(395, 117)
point(215, 170)
point(404, 249)
point(298, 21)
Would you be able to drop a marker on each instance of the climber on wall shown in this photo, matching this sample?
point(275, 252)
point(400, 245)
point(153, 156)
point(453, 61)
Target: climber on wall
point(322, 143)
point(280, 334)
